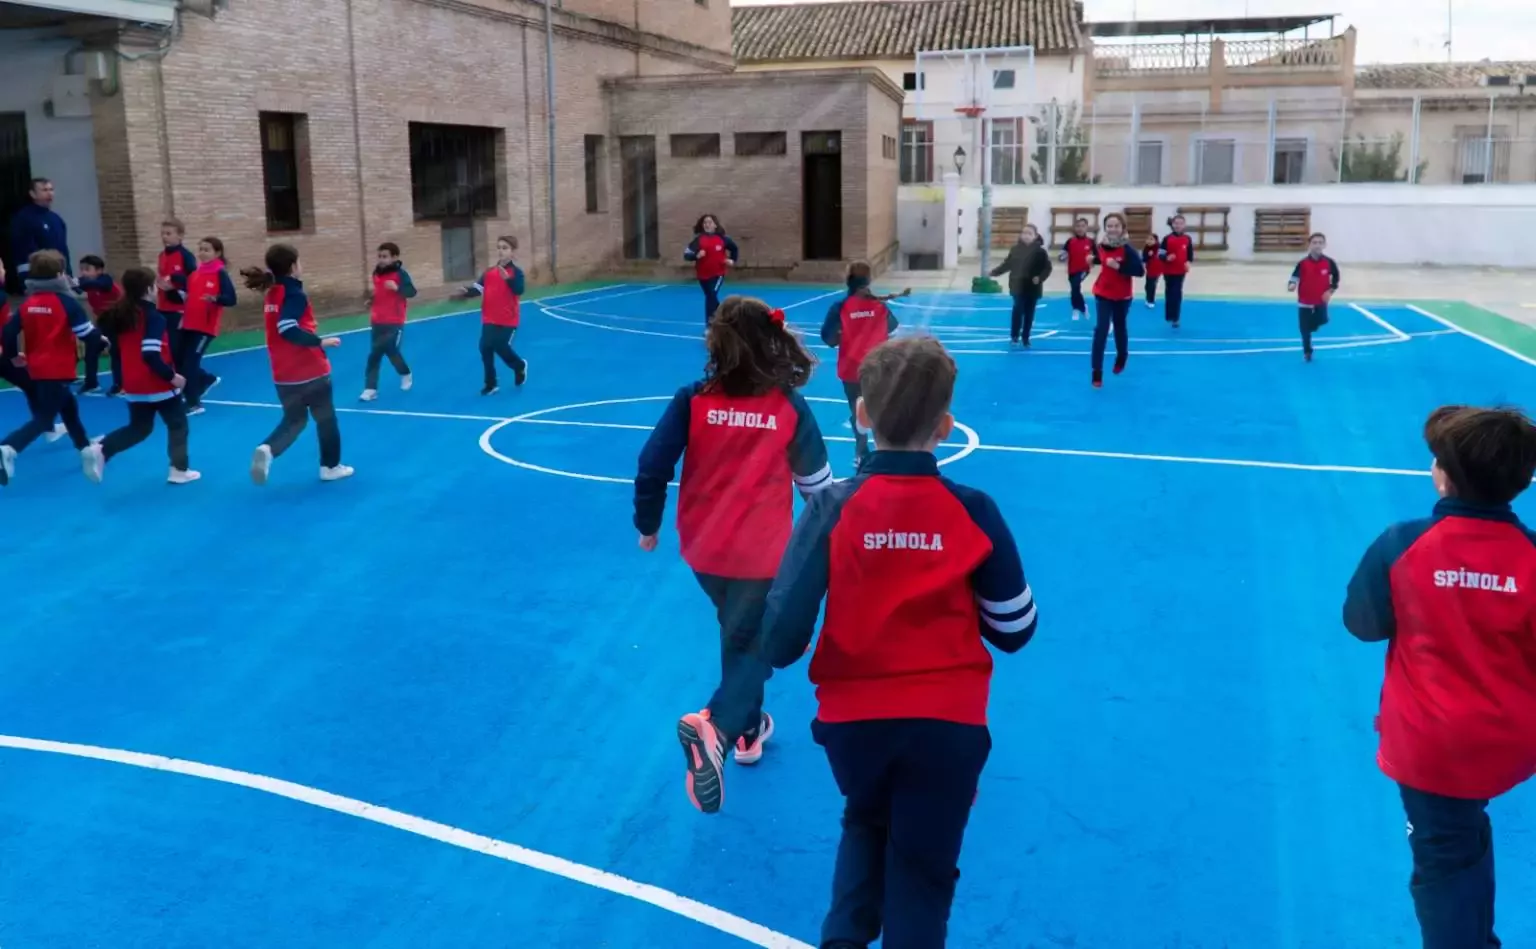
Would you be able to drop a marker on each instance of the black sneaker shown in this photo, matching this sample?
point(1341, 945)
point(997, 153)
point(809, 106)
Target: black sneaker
point(521, 376)
point(491, 388)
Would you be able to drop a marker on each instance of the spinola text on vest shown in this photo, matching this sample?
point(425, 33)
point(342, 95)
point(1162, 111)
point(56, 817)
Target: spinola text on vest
point(903, 540)
point(862, 314)
point(735, 418)
point(1472, 580)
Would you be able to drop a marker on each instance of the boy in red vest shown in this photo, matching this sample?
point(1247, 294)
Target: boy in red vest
point(855, 325)
point(1077, 254)
point(392, 291)
point(52, 322)
point(1454, 597)
point(1314, 280)
point(100, 293)
point(499, 291)
point(175, 265)
point(919, 574)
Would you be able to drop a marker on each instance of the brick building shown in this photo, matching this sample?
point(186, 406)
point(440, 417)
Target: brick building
point(338, 124)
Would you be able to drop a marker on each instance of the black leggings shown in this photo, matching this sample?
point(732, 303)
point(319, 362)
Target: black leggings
point(1173, 293)
point(1151, 289)
point(141, 422)
point(739, 606)
point(191, 345)
point(1079, 305)
point(860, 437)
point(302, 401)
point(386, 342)
point(711, 288)
point(1023, 317)
point(1311, 319)
point(497, 341)
point(50, 399)
point(1110, 313)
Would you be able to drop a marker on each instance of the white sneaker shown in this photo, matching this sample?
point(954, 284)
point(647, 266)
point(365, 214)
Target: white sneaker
point(261, 464)
point(368, 395)
point(1151, 305)
point(406, 382)
point(7, 463)
point(58, 432)
point(178, 476)
point(336, 473)
point(195, 410)
point(93, 462)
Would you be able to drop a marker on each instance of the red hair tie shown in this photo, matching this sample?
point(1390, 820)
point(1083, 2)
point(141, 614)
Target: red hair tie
point(776, 317)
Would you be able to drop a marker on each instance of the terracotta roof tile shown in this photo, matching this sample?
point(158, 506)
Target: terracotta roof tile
point(896, 29)
point(1439, 75)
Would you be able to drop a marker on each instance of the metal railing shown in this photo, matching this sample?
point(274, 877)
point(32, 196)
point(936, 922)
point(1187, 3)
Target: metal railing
point(1199, 56)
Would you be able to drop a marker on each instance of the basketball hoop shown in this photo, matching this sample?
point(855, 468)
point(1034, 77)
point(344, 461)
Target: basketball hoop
point(972, 111)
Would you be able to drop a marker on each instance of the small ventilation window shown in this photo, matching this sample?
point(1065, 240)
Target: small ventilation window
point(1498, 80)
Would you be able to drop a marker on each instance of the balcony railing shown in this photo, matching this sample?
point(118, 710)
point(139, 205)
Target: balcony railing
point(1197, 58)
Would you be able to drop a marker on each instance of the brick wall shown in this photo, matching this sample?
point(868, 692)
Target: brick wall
point(760, 199)
point(182, 135)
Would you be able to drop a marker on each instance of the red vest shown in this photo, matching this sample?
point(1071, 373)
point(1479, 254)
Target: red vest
point(1112, 284)
point(735, 506)
point(47, 338)
point(1152, 262)
point(137, 378)
point(1179, 247)
point(291, 363)
point(499, 306)
point(388, 307)
point(173, 263)
point(101, 300)
point(1079, 254)
point(200, 315)
point(710, 260)
point(866, 324)
point(1314, 278)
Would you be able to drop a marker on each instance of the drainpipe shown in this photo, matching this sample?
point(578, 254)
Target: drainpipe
point(549, 111)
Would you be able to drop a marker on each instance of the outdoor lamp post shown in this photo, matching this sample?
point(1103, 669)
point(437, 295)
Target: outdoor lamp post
point(959, 160)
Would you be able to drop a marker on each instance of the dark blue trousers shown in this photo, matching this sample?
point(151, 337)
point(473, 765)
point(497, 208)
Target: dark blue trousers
point(1173, 296)
point(51, 399)
point(93, 362)
point(711, 288)
point(1110, 313)
point(737, 705)
point(1075, 281)
point(909, 785)
point(17, 376)
point(1452, 883)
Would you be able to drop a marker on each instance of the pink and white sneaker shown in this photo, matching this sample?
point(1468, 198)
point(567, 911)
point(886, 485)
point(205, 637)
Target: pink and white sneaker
point(749, 747)
point(704, 747)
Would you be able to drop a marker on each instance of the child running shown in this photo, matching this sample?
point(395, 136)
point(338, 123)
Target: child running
point(209, 291)
point(1028, 267)
point(918, 574)
point(392, 292)
point(17, 375)
point(1112, 294)
point(500, 290)
point(1314, 280)
point(52, 322)
point(1077, 254)
point(745, 435)
point(1151, 248)
point(1454, 596)
point(300, 369)
point(855, 325)
point(149, 383)
point(712, 254)
point(175, 265)
point(1177, 253)
point(100, 293)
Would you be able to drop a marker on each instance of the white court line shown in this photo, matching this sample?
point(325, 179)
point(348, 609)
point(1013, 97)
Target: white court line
point(1480, 338)
point(716, 919)
point(1378, 320)
point(409, 323)
point(972, 443)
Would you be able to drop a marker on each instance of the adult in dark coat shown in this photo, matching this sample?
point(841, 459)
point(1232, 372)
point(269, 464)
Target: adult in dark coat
point(1028, 266)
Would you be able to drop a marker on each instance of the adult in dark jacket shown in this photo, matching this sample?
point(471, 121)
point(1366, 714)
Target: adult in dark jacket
point(1028, 267)
point(37, 226)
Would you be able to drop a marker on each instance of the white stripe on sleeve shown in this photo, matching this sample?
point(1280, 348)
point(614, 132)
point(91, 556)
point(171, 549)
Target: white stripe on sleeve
point(284, 326)
point(150, 346)
point(816, 481)
point(1011, 625)
point(1004, 607)
point(83, 330)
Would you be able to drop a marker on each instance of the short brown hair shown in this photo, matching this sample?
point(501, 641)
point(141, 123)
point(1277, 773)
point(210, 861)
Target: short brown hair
point(45, 265)
point(907, 385)
point(176, 223)
point(1489, 455)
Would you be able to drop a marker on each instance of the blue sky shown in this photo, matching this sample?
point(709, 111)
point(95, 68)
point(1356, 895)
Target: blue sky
point(1390, 30)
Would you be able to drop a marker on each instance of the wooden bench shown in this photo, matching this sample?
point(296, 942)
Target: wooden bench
point(1207, 226)
point(1281, 229)
point(1062, 220)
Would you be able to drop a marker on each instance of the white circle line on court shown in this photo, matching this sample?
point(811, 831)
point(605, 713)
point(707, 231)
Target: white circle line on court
point(717, 919)
point(972, 439)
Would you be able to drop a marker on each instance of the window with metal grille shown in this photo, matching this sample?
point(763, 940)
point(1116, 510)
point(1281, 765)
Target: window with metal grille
point(280, 170)
point(916, 152)
point(1215, 161)
point(761, 144)
point(696, 146)
point(1290, 161)
point(453, 171)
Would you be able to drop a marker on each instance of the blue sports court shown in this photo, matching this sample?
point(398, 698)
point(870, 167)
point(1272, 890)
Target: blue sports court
point(433, 706)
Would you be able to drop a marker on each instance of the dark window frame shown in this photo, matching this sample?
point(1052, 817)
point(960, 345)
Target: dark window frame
point(453, 171)
point(280, 160)
point(594, 153)
point(920, 169)
point(761, 144)
point(694, 145)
